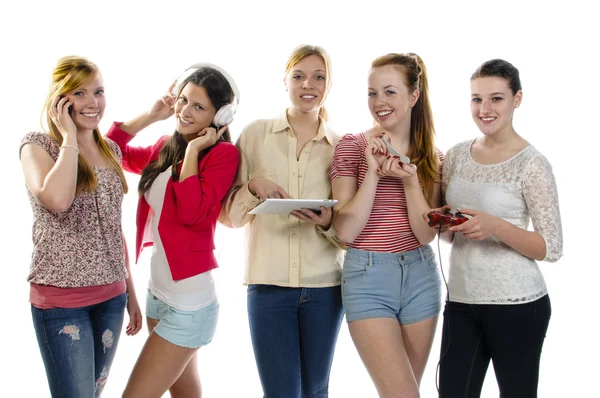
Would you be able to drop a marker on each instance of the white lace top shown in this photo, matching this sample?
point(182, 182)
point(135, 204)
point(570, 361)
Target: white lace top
point(516, 190)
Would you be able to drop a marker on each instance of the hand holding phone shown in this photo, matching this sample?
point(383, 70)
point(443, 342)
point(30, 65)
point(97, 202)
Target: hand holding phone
point(394, 152)
point(60, 111)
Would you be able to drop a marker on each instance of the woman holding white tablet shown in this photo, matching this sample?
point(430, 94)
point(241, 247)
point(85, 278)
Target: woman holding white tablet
point(293, 261)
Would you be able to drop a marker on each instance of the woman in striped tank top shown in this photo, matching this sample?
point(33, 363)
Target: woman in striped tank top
point(391, 286)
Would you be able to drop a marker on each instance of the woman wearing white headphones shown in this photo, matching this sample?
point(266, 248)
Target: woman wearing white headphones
point(184, 177)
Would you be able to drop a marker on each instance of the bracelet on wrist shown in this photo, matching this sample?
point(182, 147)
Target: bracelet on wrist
point(69, 146)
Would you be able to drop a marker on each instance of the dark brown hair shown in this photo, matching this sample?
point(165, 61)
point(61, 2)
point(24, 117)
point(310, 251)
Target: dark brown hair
point(500, 68)
point(220, 94)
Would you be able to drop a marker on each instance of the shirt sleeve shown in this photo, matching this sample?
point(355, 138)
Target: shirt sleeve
point(240, 200)
point(446, 171)
point(346, 157)
point(43, 140)
point(115, 148)
point(197, 196)
point(541, 197)
point(133, 159)
point(331, 235)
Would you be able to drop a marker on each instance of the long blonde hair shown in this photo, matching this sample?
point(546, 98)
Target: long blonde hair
point(69, 74)
point(303, 51)
point(422, 150)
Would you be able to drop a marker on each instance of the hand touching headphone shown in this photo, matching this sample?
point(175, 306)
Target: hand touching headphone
point(225, 114)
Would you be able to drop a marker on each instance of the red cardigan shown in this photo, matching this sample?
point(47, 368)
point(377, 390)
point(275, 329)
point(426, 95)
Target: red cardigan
point(190, 208)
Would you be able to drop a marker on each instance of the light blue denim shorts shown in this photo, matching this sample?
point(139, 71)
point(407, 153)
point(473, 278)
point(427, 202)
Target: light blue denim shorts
point(405, 286)
point(190, 329)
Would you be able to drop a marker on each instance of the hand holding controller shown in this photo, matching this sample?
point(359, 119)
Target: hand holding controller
point(437, 218)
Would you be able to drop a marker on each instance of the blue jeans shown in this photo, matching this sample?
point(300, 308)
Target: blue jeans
point(294, 331)
point(78, 345)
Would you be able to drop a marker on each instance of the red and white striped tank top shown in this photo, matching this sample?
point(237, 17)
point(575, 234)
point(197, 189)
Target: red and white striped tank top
point(388, 229)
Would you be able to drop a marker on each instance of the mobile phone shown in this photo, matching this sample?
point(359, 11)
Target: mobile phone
point(393, 152)
point(70, 110)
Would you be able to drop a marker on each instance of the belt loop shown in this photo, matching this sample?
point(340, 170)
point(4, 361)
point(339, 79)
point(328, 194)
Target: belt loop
point(421, 253)
point(370, 259)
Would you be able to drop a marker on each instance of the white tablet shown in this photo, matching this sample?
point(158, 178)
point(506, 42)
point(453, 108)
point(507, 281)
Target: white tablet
point(283, 206)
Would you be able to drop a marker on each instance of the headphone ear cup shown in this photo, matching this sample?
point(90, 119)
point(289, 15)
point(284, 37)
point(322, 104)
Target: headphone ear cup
point(224, 116)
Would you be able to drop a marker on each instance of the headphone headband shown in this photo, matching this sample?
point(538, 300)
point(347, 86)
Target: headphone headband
point(192, 68)
point(224, 115)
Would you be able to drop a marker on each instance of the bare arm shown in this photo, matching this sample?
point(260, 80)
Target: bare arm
point(417, 205)
point(137, 124)
point(206, 138)
point(54, 183)
point(354, 205)
point(483, 225)
point(529, 243)
point(133, 307)
point(161, 109)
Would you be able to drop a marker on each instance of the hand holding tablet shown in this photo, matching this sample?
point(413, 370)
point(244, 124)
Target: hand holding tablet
point(284, 206)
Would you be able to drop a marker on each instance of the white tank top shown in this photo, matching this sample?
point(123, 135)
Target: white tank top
point(188, 294)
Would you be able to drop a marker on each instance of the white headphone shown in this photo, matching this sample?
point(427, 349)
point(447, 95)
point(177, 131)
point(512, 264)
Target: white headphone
point(224, 115)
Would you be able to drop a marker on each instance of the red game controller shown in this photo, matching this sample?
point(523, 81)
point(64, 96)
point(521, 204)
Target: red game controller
point(437, 218)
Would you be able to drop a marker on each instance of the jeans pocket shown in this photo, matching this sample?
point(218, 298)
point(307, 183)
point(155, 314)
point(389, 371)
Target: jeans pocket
point(209, 324)
point(432, 263)
point(354, 269)
point(429, 257)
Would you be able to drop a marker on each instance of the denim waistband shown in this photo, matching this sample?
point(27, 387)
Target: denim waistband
point(420, 253)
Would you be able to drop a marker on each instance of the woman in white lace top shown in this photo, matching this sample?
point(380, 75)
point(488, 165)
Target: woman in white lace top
point(498, 307)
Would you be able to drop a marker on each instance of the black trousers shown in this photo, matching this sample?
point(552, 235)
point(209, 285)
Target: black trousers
point(511, 335)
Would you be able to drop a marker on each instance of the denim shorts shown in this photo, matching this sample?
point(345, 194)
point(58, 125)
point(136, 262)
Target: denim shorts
point(405, 286)
point(190, 329)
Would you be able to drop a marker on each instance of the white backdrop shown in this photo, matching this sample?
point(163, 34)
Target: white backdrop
point(141, 46)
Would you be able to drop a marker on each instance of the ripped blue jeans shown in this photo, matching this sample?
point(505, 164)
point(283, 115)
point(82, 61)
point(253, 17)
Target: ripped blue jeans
point(78, 345)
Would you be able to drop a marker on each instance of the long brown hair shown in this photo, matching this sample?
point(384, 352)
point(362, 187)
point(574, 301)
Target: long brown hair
point(303, 51)
point(220, 94)
point(422, 150)
point(69, 74)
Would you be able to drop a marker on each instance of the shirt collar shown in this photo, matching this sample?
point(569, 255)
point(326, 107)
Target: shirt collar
point(281, 124)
